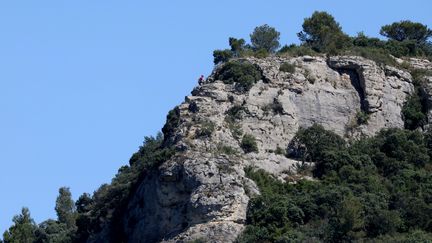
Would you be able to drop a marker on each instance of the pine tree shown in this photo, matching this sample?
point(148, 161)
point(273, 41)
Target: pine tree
point(23, 230)
point(65, 207)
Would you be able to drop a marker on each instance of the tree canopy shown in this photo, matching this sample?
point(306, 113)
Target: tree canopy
point(376, 189)
point(322, 32)
point(266, 38)
point(23, 230)
point(406, 30)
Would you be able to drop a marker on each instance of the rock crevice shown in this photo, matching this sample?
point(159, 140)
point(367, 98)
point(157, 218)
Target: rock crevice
point(201, 193)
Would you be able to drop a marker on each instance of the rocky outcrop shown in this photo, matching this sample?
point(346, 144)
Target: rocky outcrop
point(202, 192)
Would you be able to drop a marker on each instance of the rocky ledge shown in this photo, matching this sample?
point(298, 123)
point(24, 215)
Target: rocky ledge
point(202, 192)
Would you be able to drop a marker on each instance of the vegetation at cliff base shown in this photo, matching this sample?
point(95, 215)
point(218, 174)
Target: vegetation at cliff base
point(377, 189)
point(78, 221)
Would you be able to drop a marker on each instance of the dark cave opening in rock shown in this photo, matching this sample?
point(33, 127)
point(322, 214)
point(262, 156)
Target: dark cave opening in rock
point(357, 81)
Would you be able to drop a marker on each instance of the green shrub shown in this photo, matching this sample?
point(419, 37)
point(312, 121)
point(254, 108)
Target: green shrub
point(224, 149)
point(108, 203)
point(237, 46)
point(418, 75)
point(243, 74)
point(221, 56)
point(232, 115)
point(412, 112)
point(172, 121)
point(280, 151)
point(311, 143)
point(261, 53)
point(193, 107)
point(362, 40)
point(249, 144)
point(236, 130)
point(235, 112)
point(362, 117)
point(296, 51)
point(380, 56)
point(277, 108)
point(370, 191)
point(206, 129)
point(287, 67)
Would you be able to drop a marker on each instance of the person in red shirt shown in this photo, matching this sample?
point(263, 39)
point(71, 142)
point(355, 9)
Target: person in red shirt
point(201, 79)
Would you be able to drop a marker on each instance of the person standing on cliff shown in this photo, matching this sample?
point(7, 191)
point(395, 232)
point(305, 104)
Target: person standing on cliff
point(201, 79)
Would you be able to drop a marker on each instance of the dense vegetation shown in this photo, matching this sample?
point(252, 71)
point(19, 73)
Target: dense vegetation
point(90, 213)
point(321, 33)
point(243, 74)
point(376, 189)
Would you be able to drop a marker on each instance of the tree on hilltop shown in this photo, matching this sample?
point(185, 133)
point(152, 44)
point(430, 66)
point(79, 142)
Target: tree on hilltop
point(266, 38)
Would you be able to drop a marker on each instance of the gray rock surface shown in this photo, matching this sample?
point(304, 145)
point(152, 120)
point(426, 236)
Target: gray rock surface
point(202, 192)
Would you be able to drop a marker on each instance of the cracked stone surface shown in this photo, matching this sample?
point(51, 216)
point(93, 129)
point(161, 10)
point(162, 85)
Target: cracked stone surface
point(202, 192)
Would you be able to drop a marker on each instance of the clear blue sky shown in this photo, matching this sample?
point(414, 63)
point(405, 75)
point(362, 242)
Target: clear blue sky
point(82, 82)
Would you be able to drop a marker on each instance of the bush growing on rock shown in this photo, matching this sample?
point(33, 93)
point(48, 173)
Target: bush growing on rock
point(380, 56)
point(412, 113)
point(220, 56)
point(371, 191)
point(243, 74)
point(311, 143)
point(362, 117)
point(287, 67)
point(249, 144)
point(296, 51)
point(206, 129)
point(172, 121)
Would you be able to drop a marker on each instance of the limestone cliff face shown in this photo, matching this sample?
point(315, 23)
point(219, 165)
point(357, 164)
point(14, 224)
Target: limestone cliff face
point(202, 192)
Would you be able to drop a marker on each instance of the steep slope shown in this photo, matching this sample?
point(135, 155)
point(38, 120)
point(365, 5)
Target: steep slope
point(202, 192)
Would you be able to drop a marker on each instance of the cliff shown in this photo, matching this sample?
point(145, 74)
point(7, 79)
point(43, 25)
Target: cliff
point(202, 192)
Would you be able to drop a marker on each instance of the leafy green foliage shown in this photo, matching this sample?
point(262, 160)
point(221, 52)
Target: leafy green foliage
point(235, 112)
point(237, 46)
point(362, 117)
point(65, 207)
point(55, 232)
point(380, 56)
point(322, 33)
point(206, 129)
point(287, 67)
point(243, 74)
point(248, 144)
point(225, 149)
point(172, 121)
point(412, 113)
point(105, 207)
point(310, 144)
point(23, 230)
point(221, 56)
point(406, 30)
point(380, 51)
point(416, 107)
point(296, 51)
point(266, 38)
point(376, 190)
